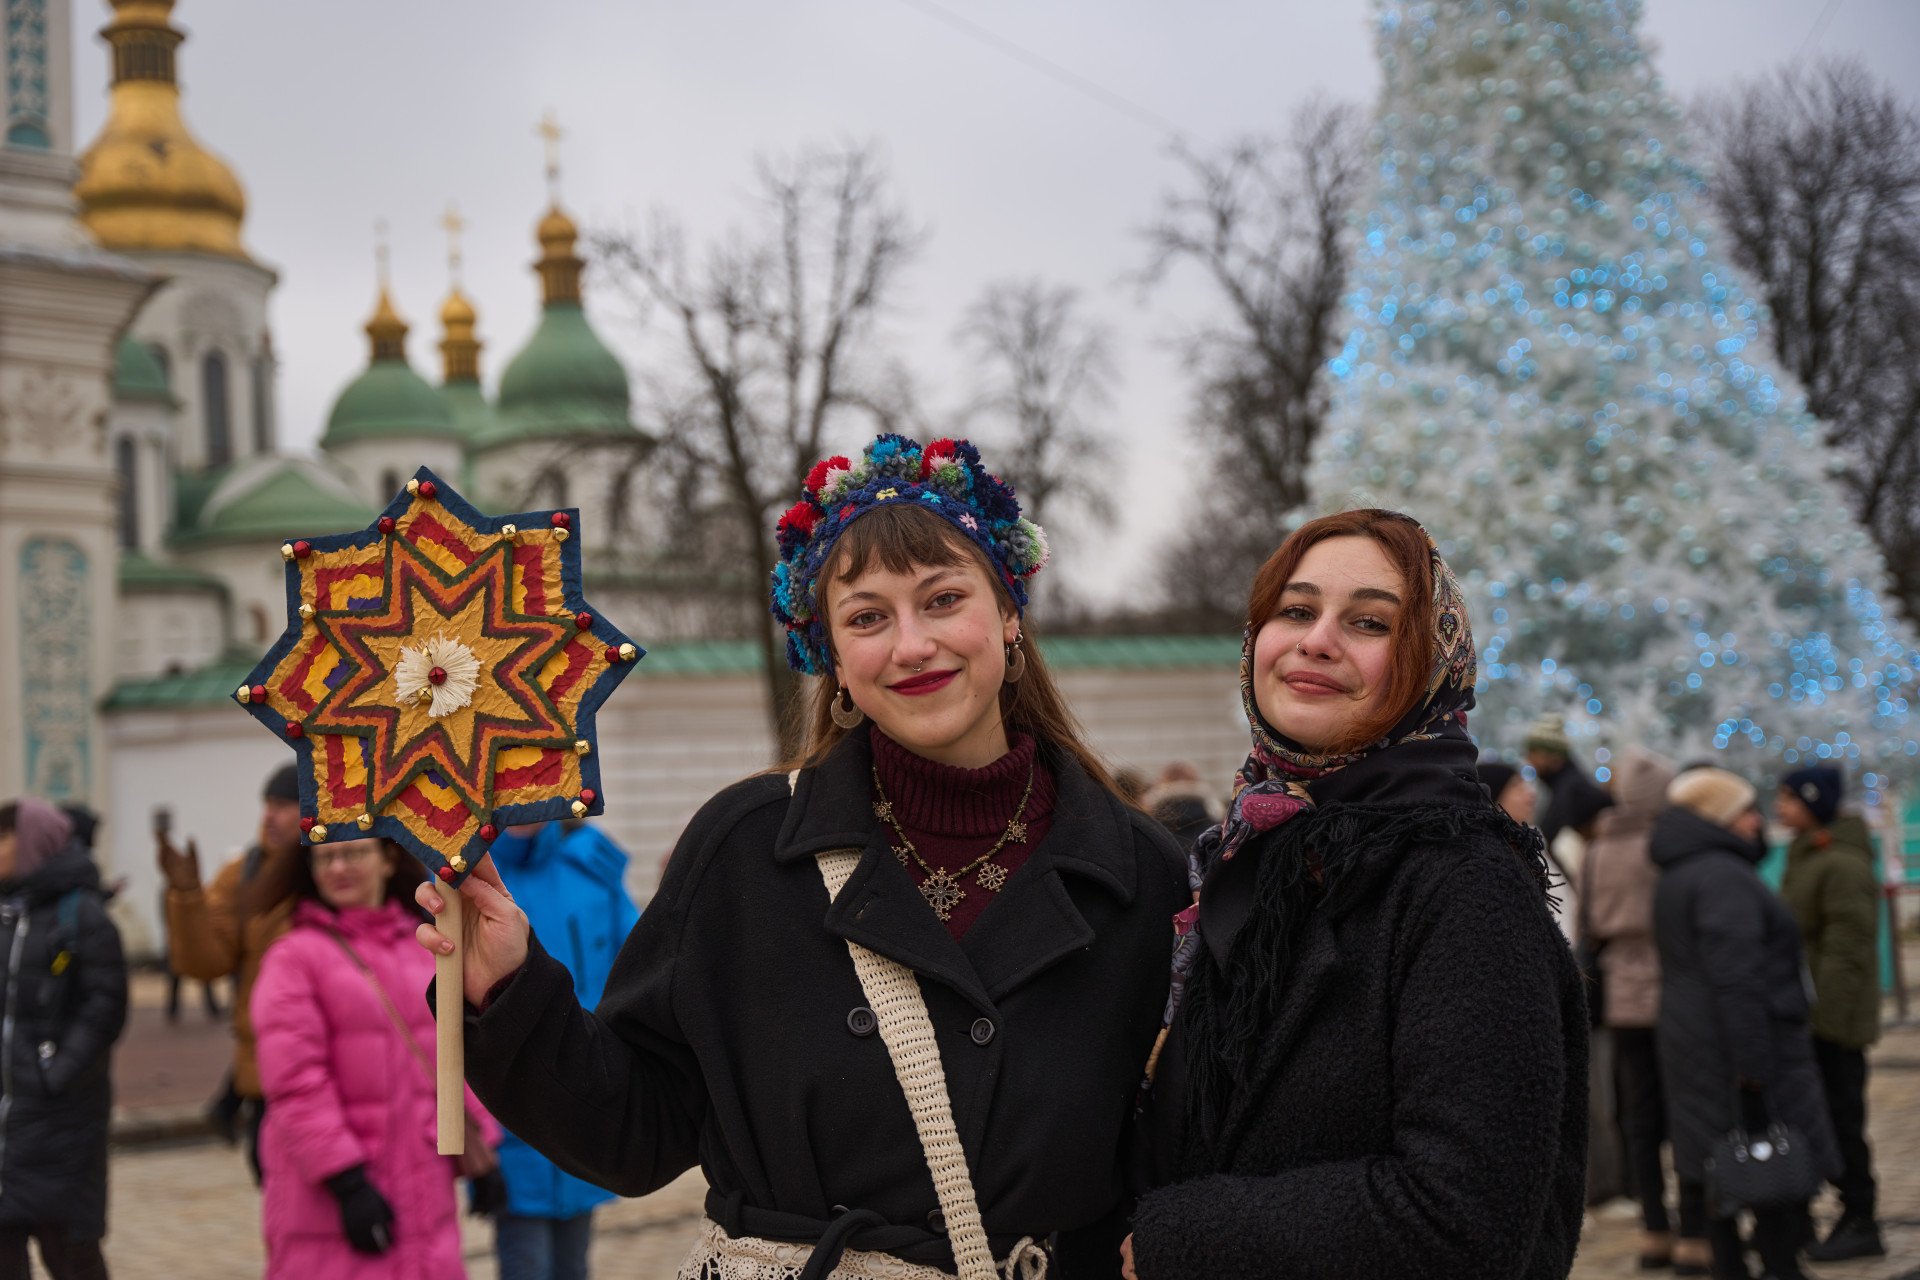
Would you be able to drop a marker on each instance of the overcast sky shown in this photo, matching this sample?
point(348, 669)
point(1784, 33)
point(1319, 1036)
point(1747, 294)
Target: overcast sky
point(337, 114)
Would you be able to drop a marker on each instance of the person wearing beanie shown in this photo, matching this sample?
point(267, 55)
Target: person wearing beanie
point(223, 929)
point(1732, 1036)
point(1831, 888)
point(939, 918)
point(66, 980)
point(1574, 799)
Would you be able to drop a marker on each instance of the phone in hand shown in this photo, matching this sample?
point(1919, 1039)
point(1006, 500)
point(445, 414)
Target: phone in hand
point(162, 822)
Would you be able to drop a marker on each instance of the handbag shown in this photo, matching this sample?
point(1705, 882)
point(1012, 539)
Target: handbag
point(477, 1159)
point(1764, 1166)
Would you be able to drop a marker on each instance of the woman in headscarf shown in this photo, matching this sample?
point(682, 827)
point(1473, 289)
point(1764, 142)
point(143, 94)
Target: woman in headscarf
point(1377, 1066)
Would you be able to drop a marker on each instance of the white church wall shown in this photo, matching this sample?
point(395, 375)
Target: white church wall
point(256, 585)
point(381, 468)
point(212, 304)
point(160, 632)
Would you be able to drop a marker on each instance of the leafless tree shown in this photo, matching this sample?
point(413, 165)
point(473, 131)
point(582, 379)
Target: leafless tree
point(1267, 223)
point(774, 343)
point(1815, 177)
point(1045, 372)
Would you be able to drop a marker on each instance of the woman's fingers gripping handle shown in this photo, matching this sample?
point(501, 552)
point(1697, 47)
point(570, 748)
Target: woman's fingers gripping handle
point(494, 929)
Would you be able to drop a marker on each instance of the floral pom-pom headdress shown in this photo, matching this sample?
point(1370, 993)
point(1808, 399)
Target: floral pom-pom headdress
point(946, 478)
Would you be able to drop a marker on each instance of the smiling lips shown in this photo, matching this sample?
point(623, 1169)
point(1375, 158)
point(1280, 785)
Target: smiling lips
point(1311, 685)
point(926, 682)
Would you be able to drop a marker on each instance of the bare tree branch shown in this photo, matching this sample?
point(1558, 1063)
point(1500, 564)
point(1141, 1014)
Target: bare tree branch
point(774, 341)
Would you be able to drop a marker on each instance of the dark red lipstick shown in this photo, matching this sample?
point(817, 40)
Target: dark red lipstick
point(925, 682)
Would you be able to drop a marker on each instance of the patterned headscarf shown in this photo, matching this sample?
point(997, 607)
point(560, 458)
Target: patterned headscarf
point(1271, 787)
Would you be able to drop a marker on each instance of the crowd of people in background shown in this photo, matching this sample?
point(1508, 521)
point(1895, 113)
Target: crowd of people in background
point(1720, 1005)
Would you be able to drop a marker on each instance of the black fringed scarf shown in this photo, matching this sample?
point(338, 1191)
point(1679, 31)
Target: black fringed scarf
point(1316, 832)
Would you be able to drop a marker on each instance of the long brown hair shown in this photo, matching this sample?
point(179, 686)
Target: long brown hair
point(901, 538)
point(1407, 548)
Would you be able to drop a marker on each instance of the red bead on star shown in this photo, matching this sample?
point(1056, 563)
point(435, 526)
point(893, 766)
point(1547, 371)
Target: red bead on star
point(488, 831)
point(429, 490)
point(302, 549)
point(583, 620)
point(306, 824)
point(613, 654)
point(446, 874)
point(438, 675)
point(386, 524)
point(257, 693)
point(561, 520)
point(295, 729)
point(587, 795)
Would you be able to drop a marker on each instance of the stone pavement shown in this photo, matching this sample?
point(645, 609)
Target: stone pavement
point(188, 1210)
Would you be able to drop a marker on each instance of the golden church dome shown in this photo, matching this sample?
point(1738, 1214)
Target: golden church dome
point(456, 311)
point(559, 266)
point(146, 183)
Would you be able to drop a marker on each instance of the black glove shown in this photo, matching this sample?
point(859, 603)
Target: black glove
point(364, 1212)
point(487, 1195)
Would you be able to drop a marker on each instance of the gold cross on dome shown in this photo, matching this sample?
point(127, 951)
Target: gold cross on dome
point(454, 224)
point(549, 130)
point(381, 252)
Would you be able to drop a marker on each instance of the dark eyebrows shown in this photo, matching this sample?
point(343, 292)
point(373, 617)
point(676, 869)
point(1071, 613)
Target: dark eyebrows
point(924, 584)
point(1359, 593)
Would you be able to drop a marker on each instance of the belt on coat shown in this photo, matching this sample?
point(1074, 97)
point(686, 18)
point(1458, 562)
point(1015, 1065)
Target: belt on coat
point(862, 1229)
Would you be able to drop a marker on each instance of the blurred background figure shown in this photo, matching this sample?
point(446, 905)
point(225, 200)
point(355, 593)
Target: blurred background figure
point(571, 881)
point(224, 928)
point(1180, 802)
point(1131, 784)
point(1831, 888)
point(353, 1185)
point(1618, 880)
point(66, 1004)
point(1574, 799)
point(1734, 1045)
point(1509, 789)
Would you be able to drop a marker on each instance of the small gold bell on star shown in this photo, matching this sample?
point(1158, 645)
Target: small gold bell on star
point(364, 822)
point(581, 746)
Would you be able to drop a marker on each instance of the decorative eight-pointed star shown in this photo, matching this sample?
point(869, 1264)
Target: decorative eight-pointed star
point(439, 676)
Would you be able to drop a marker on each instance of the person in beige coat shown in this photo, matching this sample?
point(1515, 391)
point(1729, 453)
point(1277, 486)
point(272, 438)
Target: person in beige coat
point(1617, 886)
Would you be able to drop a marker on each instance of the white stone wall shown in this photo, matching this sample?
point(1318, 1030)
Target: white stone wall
point(206, 765)
point(150, 427)
point(256, 586)
point(210, 303)
point(518, 478)
point(371, 461)
point(159, 632)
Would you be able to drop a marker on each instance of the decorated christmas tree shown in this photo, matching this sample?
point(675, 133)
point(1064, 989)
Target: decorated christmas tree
point(1553, 370)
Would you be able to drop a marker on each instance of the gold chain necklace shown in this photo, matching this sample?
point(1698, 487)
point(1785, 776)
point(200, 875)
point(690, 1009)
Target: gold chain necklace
point(942, 889)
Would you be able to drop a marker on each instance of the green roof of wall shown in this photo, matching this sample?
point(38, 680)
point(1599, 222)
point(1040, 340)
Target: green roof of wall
point(217, 681)
point(388, 400)
point(467, 402)
point(137, 375)
point(141, 573)
point(563, 383)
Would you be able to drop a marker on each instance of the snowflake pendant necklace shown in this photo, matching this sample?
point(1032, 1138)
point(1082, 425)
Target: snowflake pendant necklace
point(942, 889)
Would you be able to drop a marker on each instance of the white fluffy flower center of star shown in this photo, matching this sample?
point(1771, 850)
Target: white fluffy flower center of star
point(414, 673)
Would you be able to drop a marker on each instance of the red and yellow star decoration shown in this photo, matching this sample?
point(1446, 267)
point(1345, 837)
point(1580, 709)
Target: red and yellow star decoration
point(439, 676)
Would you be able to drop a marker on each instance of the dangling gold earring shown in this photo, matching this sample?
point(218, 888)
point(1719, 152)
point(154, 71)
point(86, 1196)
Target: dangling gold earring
point(1016, 661)
point(850, 716)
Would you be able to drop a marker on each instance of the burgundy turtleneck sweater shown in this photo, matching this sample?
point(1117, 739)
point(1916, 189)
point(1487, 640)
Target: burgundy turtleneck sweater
point(954, 815)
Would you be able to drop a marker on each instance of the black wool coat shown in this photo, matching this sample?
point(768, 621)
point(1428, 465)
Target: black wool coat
point(1418, 1106)
point(734, 1033)
point(66, 1003)
point(1733, 994)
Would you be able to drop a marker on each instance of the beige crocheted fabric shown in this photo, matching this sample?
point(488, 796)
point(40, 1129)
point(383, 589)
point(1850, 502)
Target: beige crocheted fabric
point(718, 1256)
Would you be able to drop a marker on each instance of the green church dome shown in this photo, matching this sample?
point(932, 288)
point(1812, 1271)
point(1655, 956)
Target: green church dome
point(564, 382)
point(137, 375)
point(272, 497)
point(389, 399)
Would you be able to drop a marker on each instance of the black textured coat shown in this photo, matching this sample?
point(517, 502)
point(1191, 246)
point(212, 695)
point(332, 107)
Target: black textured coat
point(1733, 993)
point(1418, 1105)
point(726, 1036)
point(66, 1003)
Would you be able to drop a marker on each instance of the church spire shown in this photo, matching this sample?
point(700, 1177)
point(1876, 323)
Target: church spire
point(559, 265)
point(386, 329)
point(459, 348)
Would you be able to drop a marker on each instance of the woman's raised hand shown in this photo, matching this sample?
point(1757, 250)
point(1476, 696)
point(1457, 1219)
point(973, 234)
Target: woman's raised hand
point(495, 931)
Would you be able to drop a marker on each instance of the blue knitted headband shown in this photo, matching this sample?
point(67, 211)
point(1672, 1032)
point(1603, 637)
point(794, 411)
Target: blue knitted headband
point(946, 478)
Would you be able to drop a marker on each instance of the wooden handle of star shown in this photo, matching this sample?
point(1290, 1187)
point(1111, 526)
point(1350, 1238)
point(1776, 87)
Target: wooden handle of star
point(449, 1026)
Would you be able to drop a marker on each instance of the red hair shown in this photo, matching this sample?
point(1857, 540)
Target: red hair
point(1407, 549)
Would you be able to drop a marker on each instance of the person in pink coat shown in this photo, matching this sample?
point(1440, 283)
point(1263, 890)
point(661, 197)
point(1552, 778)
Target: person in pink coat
point(352, 1184)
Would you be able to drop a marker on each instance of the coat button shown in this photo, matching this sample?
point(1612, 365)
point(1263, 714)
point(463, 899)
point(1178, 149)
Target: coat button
point(862, 1022)
point(982, 1031)
point(937, 1223)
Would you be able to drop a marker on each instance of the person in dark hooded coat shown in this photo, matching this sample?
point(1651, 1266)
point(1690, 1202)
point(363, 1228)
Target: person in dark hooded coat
point(1734, 1043)
point(66, 1003)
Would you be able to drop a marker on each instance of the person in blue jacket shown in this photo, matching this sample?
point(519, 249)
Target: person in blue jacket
point(570, 880)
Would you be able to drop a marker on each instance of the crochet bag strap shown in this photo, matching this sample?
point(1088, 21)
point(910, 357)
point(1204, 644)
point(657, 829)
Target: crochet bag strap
point(906, 1029)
